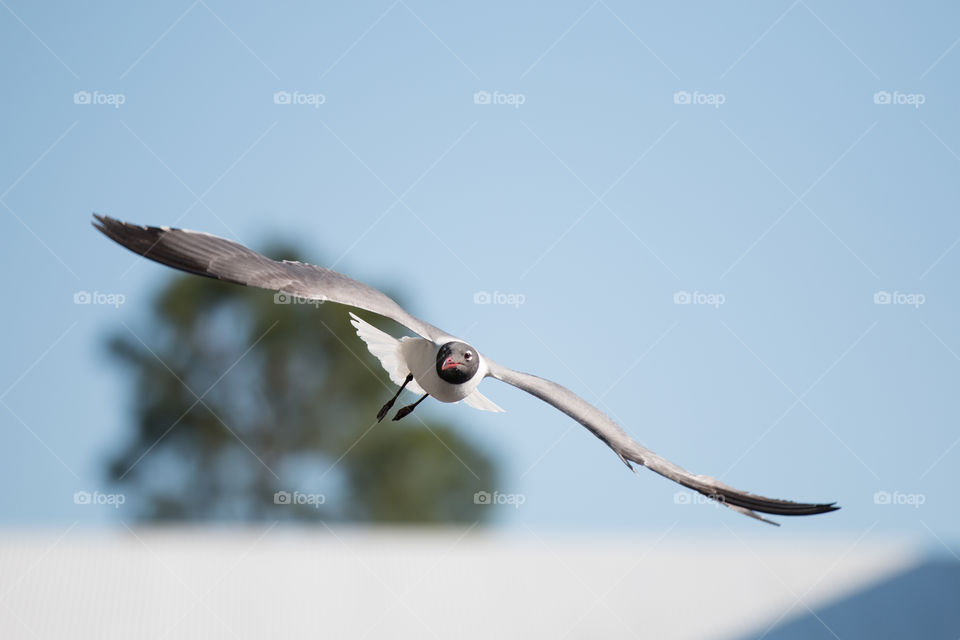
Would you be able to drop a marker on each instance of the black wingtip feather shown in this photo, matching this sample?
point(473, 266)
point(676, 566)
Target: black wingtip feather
point(775, 507)
point(148, 242)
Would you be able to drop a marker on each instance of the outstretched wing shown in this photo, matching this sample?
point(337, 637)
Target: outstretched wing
point(215, 257)
point(629, 450)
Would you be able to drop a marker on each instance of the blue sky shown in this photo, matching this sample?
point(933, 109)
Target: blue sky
point(782, 164)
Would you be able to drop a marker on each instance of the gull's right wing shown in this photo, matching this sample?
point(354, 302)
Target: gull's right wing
point(629, 450)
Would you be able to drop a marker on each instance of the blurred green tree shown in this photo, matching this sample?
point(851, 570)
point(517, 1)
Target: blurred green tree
point(238, 395)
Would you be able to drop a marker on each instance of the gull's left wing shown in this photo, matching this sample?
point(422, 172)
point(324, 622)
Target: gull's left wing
point(629, 450)
point(214, 257)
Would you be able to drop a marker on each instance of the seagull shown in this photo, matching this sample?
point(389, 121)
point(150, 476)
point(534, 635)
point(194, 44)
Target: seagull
point(431, 364)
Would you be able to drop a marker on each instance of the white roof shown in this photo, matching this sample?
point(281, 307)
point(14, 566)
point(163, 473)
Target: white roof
point(274, 582)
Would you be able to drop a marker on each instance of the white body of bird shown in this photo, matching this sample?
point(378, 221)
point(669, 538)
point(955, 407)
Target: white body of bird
point(418, 356)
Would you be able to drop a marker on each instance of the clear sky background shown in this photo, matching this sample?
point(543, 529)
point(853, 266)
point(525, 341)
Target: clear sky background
point(786, 188)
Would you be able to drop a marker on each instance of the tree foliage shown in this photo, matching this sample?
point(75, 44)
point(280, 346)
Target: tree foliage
point(238, 395)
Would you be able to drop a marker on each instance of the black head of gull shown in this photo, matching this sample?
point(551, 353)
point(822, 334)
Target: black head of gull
point(457, 362)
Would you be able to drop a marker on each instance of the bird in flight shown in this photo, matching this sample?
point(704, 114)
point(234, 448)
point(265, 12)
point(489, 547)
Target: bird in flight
point(435, 364)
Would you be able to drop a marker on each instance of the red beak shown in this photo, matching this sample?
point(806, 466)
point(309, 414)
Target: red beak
point(449, 363)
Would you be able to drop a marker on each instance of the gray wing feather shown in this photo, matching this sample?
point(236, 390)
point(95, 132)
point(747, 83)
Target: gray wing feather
point(629, 450)
point(208, 255)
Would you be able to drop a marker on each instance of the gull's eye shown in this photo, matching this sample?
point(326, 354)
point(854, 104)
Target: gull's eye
point(467, 355)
